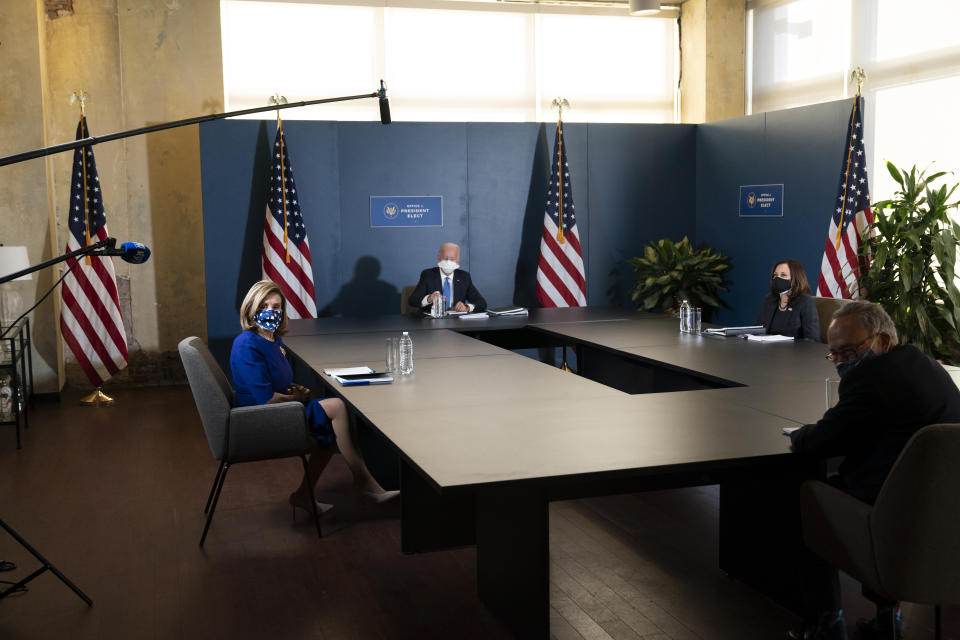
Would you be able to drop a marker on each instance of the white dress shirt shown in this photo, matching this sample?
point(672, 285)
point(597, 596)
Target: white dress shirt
point(450, 303)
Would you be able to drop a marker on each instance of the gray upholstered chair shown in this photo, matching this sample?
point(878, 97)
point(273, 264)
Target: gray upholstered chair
point(825, 310)
point(240, 434)
point(907, 545)
point(405, 307)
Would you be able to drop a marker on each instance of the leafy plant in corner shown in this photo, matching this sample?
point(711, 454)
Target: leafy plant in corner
point(670, 272)
point(913, 253)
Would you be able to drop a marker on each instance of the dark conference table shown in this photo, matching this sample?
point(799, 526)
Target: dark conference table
point(652, 409)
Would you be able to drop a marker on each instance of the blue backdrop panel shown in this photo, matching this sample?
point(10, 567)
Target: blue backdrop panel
point(631, 184)
point(402, 159)
point(234, 161)
point(641, 189)
point(800, 148)
point(507, 182)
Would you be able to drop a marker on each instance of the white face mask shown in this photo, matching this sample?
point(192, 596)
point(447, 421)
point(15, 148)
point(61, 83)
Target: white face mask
point(448, 266)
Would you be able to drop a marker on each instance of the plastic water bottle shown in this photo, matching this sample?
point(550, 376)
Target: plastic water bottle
point(406, 354)
point(685, 317)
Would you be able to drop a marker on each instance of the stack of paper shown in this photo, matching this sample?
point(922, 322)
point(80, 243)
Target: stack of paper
point(508, 311)
point(773, 338)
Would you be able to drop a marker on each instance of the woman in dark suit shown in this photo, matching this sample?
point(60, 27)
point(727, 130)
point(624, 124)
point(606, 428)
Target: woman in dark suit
point(788, 309)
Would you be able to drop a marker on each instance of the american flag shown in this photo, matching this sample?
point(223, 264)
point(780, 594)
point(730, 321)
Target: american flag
point(286, 250)
point(841, 267)
point(90, 320)
point(560, 275)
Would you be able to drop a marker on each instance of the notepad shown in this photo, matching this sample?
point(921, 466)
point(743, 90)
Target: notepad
point(508, 311)
point(474, 316)
point(734, 331)
point(349, 380)
point(347, 371)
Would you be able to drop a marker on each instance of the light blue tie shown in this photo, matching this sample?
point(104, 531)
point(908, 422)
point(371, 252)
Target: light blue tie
point(447, 301)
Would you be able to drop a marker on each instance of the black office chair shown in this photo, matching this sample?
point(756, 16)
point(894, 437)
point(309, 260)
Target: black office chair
point(907, 545)
point(825, 310)
point(241, 434)
point(405, 307)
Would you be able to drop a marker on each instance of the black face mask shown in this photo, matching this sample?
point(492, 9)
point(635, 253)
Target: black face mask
point(779, 285)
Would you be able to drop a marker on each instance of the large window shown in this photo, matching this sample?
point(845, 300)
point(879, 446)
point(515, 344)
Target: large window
point(802, 51)
point(451, 61)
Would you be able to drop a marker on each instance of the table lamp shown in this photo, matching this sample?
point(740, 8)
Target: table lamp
point(12, 259)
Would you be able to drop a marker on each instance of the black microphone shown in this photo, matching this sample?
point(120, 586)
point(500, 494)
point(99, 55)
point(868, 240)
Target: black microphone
point(132, 252)
point(384, 105)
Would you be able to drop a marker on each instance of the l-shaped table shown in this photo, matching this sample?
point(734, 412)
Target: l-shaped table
point(487, 437)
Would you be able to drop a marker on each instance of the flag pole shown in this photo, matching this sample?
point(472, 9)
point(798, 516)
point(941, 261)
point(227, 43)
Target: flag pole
point(96, 398)
point(858, 75)
point(81, 96)
point(559, 104)
point(278, 100)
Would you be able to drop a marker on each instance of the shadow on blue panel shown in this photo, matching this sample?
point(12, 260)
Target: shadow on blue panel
point(365, 295)
point(251, 267)
point(525, 278)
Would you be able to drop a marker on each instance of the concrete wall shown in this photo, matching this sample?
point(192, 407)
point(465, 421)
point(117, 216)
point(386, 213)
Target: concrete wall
point(713, 45)
point(141, 62)
point(25, 217)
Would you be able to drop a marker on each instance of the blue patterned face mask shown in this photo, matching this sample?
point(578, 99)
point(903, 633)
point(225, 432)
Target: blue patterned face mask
point(268, 319)
point(843, 368)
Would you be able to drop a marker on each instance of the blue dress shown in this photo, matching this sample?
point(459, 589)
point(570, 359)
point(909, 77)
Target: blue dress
point(260, 368)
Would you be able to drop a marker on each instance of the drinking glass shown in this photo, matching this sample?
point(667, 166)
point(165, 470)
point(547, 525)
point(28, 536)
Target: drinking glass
point(393, 355)
point(695, 315)
point(833, 391)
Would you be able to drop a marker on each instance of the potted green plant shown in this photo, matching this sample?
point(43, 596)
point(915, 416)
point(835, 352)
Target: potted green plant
point(912, 248)
point(670, 272)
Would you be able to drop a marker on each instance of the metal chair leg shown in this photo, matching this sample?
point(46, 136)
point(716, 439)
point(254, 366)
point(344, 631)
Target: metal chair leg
point(313, 499)
point(213, 487)
point(216, 497)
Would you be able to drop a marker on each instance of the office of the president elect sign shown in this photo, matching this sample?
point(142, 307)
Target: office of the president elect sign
point(761, 200)
point(406, 211)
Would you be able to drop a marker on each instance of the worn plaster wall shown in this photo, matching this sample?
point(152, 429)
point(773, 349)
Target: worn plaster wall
point(24, 190)
point(141, 62)
point(171, 68)
point(712, 40)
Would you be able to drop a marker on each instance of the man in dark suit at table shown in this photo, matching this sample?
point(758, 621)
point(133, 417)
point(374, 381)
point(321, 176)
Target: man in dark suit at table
point(447, 280)
point(887, 392)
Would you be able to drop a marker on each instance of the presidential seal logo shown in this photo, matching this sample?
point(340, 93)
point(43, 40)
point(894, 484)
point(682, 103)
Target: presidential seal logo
point(751, 199)
point(390, 211)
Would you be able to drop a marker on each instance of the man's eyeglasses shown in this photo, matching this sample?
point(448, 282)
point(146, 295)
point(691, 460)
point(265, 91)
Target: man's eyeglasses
point(849, 351)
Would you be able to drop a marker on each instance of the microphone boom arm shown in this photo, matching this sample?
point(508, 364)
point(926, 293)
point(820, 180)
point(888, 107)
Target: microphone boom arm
point(96, 249)
point(92, 140)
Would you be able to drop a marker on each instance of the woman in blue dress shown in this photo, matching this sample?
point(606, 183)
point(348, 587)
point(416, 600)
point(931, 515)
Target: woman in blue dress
point(262, 375)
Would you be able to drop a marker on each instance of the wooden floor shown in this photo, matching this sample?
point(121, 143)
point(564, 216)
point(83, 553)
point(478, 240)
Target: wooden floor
point(113, 497)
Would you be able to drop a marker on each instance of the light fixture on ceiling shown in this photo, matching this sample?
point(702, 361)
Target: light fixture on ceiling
point(643, 7)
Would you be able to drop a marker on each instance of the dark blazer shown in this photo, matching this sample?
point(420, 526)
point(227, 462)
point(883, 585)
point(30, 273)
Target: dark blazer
point(463, 289)
point(883, 401)
point(804, 322)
